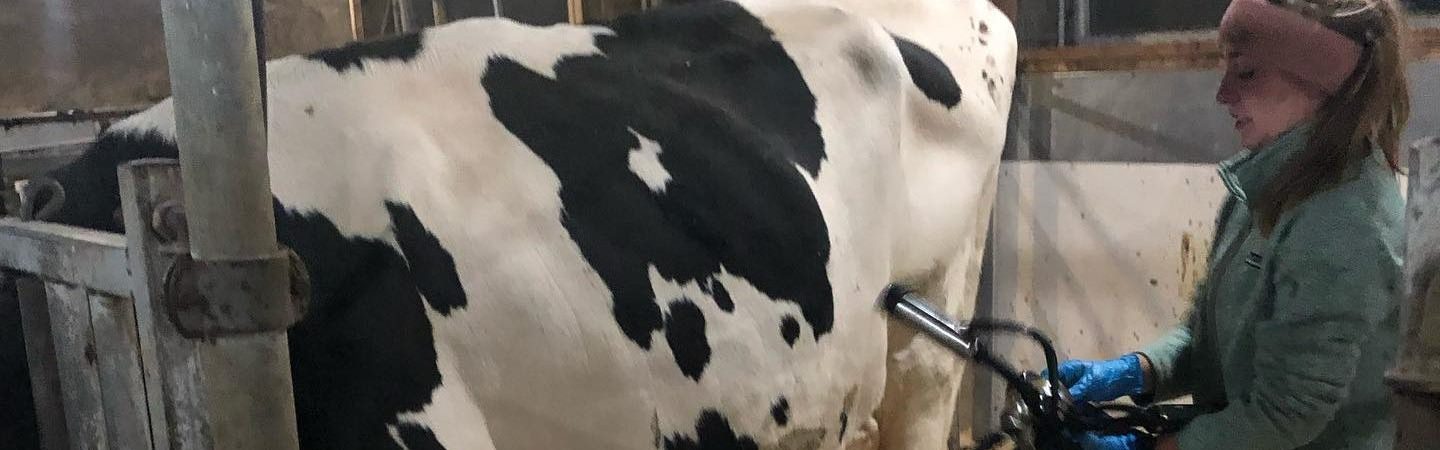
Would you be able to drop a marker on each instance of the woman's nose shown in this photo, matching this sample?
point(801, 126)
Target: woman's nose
point(1225, 94)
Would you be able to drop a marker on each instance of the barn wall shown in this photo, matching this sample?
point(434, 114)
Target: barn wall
point(1153, 116)
point(89, 54)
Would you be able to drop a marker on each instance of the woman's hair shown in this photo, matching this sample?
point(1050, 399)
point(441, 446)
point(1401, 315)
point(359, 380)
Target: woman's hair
point(1368, 112)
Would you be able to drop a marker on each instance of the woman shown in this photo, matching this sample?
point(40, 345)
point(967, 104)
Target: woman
point(1290, 334)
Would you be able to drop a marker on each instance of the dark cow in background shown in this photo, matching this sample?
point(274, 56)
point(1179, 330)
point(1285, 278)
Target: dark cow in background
point(666, 232)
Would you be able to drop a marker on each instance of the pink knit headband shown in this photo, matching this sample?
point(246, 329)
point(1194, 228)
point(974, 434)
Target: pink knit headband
point(1283, 39)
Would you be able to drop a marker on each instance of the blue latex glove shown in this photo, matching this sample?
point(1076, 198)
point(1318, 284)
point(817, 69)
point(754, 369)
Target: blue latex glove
point(1092, 441)
point(1102, 381)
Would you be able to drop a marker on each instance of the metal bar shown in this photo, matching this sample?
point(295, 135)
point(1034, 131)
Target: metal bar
point(76, 359)
point(1416, 375)
point(44, 370)
point(66, 254)
point(122, 387)
point(222, 393)
point(220, 128)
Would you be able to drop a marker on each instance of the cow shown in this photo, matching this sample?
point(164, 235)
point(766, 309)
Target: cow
point(666, 231)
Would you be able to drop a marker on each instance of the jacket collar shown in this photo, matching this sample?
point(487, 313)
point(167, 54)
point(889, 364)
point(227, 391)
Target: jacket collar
point(1248, 172)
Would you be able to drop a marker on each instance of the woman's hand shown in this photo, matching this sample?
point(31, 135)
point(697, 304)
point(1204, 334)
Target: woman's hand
point(1092, 441)
point(1106, 380)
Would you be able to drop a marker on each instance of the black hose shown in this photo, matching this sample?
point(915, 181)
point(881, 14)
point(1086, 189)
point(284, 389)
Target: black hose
point(1051, 360)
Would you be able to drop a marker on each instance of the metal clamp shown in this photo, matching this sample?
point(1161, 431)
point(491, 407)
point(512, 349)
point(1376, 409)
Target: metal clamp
point(207, 299)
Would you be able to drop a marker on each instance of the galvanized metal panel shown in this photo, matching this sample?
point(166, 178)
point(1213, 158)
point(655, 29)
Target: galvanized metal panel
point(122, 385)
point(76, 357)
point(71, 255)
point(1416, 375)
point(1101, 256)
point(40, 357)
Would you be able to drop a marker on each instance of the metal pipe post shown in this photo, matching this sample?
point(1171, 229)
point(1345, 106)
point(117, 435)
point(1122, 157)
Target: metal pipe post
point(220, 128)
point(1416, 375)
point(231, 294)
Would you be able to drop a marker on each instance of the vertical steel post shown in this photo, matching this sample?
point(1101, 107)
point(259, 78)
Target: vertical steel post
point(220, 128)
point(1416, 375)
point(231, 295)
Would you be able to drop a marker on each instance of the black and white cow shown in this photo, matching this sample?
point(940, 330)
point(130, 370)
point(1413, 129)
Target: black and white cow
point(666, 232)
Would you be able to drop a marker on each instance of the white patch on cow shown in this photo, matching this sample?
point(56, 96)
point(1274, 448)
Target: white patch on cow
point(159, 119)
point(645, 163)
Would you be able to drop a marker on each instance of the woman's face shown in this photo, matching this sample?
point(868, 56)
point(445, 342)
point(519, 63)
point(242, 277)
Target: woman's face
point(1264, 102)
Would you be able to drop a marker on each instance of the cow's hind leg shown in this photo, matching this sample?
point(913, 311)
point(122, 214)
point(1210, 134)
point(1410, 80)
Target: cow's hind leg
point(922, 378)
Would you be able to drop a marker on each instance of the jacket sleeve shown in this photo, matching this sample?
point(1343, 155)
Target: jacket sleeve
point(1333, 279)
point(1170, 358)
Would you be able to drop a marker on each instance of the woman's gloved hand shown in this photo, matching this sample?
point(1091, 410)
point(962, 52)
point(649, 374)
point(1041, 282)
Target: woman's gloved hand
point(1093, 441)
point(1101, 381)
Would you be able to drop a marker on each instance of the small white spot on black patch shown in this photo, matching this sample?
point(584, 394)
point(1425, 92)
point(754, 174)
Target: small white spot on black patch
point(790, 330)
point(781, 411)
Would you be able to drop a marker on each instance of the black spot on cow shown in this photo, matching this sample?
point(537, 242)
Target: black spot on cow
point(310, 110)
point(780, 411)
point(844, 424)
point(353, 55)
point(735, 198)
point(722, 296)
point(432, 267)
point(929, 73)
point(417, 437)
point(984, 27)
point(712, 432)
point(339, 362)
point(685, 331)
point(790, 330)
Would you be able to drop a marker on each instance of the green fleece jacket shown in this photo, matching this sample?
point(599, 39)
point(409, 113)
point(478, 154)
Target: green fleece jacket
point(1291, 333)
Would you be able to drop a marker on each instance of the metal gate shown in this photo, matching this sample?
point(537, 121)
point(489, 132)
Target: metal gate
point(172, 335)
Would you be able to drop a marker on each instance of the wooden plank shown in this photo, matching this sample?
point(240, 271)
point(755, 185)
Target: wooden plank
point(75, 256)
point(44, 369)
point(171, 364)
point(1199, 54)
point(76, 356)
point(121, 381)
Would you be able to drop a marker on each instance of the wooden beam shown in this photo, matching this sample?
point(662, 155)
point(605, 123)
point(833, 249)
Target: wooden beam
point(1199, 54)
